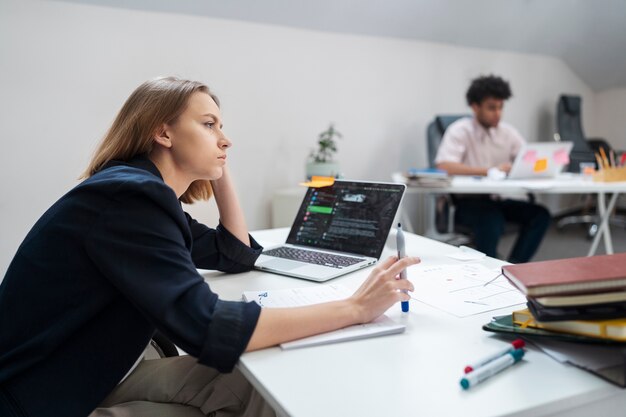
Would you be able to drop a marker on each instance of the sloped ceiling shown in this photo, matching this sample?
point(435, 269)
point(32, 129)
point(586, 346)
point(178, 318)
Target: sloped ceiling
point(589, 35)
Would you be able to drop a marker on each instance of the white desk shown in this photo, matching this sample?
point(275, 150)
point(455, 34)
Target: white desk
point(565, 184)
point(415, 373)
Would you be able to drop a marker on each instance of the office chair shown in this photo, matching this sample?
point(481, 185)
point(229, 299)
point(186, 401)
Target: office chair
point(442, 205)
point(569, 125)
point(444, 209)
point(160, 347)
point(570, 129)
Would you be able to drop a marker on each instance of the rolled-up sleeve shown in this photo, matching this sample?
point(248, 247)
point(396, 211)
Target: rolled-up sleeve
point(221, 250)
point(230, 321)
point(141, 246)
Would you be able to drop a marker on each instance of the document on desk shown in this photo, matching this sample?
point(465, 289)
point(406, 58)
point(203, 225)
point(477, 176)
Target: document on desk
point(315, 294)
point(463, 289)
point(602, 360)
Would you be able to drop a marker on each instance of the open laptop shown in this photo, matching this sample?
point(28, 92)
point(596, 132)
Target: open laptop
point(540, 160)
point(337, 230)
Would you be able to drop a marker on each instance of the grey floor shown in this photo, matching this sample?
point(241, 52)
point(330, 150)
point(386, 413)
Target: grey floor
point(568, 242)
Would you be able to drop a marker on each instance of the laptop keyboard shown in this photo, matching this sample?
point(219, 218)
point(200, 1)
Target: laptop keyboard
point(313, 257)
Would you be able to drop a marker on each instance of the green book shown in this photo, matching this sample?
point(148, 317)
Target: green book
point(504, 324)
point(615, 374)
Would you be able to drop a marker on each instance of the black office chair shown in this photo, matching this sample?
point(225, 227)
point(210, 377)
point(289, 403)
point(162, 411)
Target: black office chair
point(446, 230)
point(443, 204)
point(570, 129)
point(160, 347)
point(569, 125)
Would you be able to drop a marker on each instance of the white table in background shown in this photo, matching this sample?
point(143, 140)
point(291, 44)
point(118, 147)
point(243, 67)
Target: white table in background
point(415, 373)
point(564, 184)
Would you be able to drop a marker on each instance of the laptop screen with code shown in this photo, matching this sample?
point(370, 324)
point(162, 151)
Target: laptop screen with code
point(349, 216)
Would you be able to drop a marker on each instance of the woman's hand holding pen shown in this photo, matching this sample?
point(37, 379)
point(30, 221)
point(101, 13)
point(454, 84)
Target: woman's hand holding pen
point(381, 289)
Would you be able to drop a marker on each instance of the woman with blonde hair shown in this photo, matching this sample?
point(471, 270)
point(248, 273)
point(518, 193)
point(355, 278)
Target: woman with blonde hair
point(115, 259)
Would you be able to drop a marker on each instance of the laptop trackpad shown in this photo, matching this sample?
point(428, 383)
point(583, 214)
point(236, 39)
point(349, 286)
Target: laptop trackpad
point(282, 264)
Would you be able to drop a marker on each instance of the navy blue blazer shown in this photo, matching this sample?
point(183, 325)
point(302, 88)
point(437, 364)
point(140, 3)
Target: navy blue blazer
point(111, 261)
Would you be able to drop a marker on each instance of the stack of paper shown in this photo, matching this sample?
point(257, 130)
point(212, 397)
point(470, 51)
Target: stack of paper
point(428, 177)
point(383, 325)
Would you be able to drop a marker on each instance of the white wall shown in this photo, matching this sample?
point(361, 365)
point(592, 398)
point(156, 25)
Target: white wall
point(610, 117)
point(66, 69)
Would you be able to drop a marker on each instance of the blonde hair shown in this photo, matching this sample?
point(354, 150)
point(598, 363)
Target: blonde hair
point(152, 104)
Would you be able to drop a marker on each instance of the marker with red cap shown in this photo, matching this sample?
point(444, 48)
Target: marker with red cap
point(492, 368)
point(516, 344)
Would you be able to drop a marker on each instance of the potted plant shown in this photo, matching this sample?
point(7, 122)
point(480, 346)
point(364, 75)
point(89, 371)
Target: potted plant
point(321, 159)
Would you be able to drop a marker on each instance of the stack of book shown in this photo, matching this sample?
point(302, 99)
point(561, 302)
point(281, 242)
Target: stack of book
point(578, 296)
point(428, 177)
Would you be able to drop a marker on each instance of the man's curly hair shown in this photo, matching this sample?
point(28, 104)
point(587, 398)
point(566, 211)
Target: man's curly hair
point(487, 86)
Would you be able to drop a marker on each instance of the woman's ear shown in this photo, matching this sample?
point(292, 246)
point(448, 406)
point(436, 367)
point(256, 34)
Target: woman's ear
point(162, 136)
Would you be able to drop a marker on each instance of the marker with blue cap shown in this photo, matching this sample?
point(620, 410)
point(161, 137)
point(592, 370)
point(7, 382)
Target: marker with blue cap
point(402, 254)
point(491, 368)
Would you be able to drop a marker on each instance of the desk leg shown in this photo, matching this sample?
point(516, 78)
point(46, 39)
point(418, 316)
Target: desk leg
point(603, 227)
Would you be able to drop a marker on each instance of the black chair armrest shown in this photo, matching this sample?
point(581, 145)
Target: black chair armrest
point(163, 345)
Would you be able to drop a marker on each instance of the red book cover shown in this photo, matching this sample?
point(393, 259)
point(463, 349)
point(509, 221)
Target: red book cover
point(583, 275)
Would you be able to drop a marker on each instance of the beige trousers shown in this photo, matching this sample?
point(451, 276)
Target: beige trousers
point(181, 387)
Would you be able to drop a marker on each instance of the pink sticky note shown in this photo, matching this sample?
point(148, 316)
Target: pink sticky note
point(530, 156)
point(561, 157)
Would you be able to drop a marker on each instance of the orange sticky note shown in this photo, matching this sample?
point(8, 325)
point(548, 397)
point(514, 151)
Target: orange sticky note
point(540, 165)
point(319, 182)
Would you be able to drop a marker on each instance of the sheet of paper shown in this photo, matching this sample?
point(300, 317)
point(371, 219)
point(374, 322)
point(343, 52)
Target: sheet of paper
point(588, 356)
point(315, 294)
point(383, 325)
point(298, 296)
point(466, 254)
point(463, 290)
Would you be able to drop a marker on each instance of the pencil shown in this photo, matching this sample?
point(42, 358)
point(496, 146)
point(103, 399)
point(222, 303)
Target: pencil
point(599, 161)
point(604, 158)
point(612, 156)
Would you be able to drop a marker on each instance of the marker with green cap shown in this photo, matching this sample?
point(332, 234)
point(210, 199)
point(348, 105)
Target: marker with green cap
point(491, 368)
point(516, 344)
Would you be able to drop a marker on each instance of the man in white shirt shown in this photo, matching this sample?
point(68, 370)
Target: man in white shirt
point(485, 146)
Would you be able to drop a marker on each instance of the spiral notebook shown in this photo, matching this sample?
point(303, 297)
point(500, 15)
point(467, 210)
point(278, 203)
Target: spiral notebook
point(383, 325)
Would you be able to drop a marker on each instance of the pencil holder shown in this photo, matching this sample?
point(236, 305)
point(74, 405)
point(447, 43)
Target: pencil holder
point(610, 174)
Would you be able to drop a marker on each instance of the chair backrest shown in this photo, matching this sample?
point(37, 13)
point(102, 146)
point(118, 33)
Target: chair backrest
point(444, 216)
point(569, 122)
point(570, 128)
point(435, 131)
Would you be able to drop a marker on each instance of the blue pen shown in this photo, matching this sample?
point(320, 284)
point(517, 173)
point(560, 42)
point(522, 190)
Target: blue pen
point(402, 254)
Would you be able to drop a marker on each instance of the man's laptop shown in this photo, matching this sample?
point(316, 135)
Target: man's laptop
point(540, 160)
point(337, 230)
